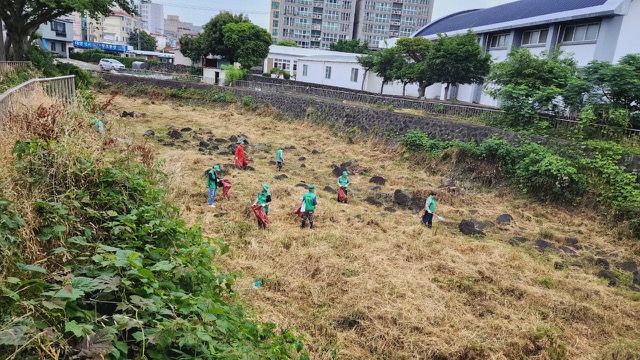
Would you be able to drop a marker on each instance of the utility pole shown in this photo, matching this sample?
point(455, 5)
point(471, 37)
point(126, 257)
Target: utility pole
point(138, 32)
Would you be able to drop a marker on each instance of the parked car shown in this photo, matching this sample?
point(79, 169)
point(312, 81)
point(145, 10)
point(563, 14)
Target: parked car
point(110, 64)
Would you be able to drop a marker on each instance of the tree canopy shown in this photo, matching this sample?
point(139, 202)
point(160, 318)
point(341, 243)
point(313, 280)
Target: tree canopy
point(212, 37)
point(385, 65)
point(192, 47)
point(245, 43)
point(458, 59)
point(289, 43)
point(23, 17)
point(416, 69)
point(147, 42)
point(350, 46)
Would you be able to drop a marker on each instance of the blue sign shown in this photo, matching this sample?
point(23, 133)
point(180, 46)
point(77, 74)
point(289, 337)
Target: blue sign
point(98, 45)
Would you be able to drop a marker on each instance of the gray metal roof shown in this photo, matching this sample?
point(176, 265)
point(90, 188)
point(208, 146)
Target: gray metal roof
point(514, 11)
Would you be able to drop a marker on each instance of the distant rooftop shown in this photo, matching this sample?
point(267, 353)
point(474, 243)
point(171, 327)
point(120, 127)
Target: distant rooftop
point(520, 11)
point(333, 58)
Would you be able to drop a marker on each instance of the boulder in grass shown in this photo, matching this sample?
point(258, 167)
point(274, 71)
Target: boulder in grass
point(544, 245)
point(470, 228)
point(378, 180)
point(329, 189)
point(504, 219)
point(630, 266)
point(174, 134)
point(608, 275)
point(186, 129)
point(149, 133)
point(401, 198)
point(518, 240)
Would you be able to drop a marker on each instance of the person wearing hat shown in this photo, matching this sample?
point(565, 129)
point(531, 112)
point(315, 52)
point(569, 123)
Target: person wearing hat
point(279, 159)
point(310, 201)
point(264, 200)
point(212, 183)
point(429, 209)
point(344, 182)
point(241, 161)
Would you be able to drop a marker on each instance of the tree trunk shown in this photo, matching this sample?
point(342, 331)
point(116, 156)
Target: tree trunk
point(364, 77)
point(3, 56)
point(382, 87)
point(422, 88)
point(404, 89)
point(446, 92)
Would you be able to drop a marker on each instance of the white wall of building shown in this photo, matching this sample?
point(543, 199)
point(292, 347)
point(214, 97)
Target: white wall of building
point(628, 42)
point(582, 53)
point(153, 16)
point(340, 74)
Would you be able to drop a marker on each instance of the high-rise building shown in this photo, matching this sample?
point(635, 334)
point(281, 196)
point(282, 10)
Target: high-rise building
point(113, 29)
point(317, 24)
point(153, 16)
point(174, 29)
point(384, 19)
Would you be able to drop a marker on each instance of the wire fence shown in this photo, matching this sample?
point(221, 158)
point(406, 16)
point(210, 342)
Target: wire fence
point(60, 90)
point(13, 65)
point(428, 107)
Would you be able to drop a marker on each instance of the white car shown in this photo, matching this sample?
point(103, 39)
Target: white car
point(110, 64)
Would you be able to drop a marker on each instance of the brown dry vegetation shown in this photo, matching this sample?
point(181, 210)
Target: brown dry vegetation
point(369, 284)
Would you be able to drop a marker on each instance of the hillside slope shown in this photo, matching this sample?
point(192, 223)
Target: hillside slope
point(370, 281)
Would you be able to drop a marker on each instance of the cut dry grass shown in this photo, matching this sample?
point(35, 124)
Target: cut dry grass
point(367, 283)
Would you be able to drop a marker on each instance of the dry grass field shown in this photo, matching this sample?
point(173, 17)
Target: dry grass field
point(370, 283)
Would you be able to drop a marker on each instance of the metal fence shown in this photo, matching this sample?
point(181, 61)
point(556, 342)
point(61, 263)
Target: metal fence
point(12, 65)
point(60, 90)
point(430, 107)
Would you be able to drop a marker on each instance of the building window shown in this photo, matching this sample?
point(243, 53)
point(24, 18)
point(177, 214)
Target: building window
point(354, 74)
point(59, 28)
point(281, 64)
point(327, 72)
point(581, 32)
point(305, 70)
point(53, 46)
point(499, 41)
point(535, 37)
point(275, 5)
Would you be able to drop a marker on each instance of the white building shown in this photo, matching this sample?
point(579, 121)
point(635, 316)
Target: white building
point(153, 17)
point(604, 30)
point(287, 57)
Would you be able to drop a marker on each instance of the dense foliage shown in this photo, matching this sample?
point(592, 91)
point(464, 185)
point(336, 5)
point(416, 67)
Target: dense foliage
point(48, 67)
point(232, 74)
point(142, 40)
point(22, 18)
point(353, 46)
point(107, 269)
point(561, 174)
point(288, 43)
point(212, 37)
point(94, 56)
point(245, 43)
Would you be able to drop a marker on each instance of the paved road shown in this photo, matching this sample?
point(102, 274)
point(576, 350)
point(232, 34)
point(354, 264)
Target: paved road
point(81, 64)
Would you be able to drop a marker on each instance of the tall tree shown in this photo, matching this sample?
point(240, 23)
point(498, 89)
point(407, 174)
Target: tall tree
point(288, 43)
point(23, 17)
point(458, 59)
point(417, 50)
point(350, 46)
point(386, 61)
point(367, 62)
point(212, 34)
point(142, 40)
point(245, 43)
point(192, 47)
point(2, 54)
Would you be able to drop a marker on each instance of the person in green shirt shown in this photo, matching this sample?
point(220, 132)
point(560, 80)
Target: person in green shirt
point(344, 182)
point(310, 201)
point(212, 183)
point(429, 209)
point(264, 199)
point(279, 159)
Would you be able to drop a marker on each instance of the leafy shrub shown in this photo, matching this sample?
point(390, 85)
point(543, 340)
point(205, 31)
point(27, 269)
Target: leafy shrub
point(266, 74)
point(417, 140)
point(232, 74)
point(247, 101)
point(44, 61)
point(122, 276)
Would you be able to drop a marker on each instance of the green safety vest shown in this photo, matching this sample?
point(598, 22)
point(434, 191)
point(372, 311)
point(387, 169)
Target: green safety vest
point(262, 199)
point(432, 204)
point(343, 180)
point(211, 184)
point(308, 201)
point(279, 155)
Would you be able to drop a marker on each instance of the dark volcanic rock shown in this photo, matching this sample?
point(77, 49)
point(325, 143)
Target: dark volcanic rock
point(302, 158)
point(220, 140)
point(337, 171)
point(186, 129)
point(636, 277)
point(315, 152)
point(375, 188)
point(291, 147)
point(174, 134)
point(233, 138)
point(608, 275)
point(203, 144)
point(373, 201)
point(378, 180)
point(250, 168)
point(281, 177)
point(517, 240)
point(504, 219)
point(149, 133)
point(401, 198)
point(303, 165)
point(603, 263)
point(571, 241)
point(470, 227)
point(569, 251)
point(390, 209)
point(629, 266)
point(329, 189)
point(302, 185)
point(543, 245)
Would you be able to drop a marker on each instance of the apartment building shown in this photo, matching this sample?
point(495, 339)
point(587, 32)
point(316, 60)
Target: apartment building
point(113, 29)
point(153, 17)
point(383, 19)
point(174, 28)
point(316, 24)
point(56, 36)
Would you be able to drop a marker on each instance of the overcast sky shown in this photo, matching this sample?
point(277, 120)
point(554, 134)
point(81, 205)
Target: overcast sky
point(199, 12)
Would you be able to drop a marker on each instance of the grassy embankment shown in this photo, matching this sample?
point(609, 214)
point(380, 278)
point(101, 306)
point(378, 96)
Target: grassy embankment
point(370, 283)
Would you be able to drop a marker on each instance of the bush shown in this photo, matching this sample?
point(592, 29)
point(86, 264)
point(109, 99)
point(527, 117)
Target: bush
point(44, 61)
point(94, 56)
point(232, 74)
point(247, 101)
